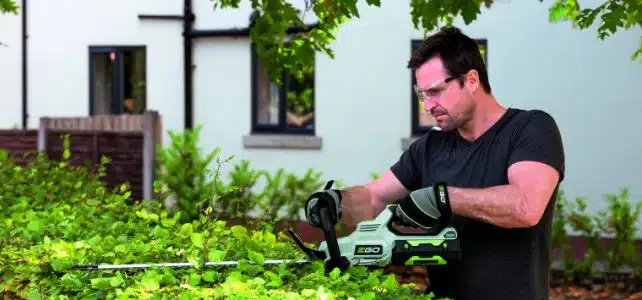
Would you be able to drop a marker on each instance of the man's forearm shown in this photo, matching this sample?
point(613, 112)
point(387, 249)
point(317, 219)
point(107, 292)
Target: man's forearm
point(358, 196)
point(504, 206)
point(358, 203)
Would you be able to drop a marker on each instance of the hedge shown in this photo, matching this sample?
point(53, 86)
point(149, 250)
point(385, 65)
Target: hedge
point(55, 215)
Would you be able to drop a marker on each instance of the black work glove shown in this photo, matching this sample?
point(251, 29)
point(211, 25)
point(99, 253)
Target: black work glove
point(426, 207)
point(330, 199)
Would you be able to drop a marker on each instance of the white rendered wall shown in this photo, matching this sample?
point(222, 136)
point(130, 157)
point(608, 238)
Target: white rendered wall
point(362, 97)
point(589, 86)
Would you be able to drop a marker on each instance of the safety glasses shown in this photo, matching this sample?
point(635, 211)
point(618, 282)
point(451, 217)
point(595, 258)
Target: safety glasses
point(434, 90)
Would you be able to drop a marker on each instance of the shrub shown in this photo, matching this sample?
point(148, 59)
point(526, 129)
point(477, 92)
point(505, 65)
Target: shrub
point(617, 224)
point(55, 216)
point(185, 174)
point(192, 178)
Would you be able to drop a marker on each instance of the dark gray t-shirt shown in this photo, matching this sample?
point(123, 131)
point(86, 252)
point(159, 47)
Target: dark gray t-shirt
point(497, 263)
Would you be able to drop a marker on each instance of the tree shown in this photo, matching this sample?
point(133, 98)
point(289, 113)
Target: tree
point(8, 7)
point(295, 53)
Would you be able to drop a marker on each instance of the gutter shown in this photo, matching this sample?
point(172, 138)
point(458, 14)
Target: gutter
point(25, 114)
point(189, 34)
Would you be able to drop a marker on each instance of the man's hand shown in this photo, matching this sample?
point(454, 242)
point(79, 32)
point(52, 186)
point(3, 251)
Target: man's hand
point(364, 202)
point(330, 199)
point(426, 207)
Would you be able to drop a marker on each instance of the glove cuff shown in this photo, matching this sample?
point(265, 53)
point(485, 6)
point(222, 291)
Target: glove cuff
point(331, 199)
point(337, 209)
point(443, 201)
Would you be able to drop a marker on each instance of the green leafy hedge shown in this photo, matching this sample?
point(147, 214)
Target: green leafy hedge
point(53, 216)
point(611, 236)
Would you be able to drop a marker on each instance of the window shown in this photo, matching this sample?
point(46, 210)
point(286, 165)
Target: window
point(117, 77)
point(288, 109)
point(422, 121)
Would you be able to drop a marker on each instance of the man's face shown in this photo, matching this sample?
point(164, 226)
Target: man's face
point(449, 103)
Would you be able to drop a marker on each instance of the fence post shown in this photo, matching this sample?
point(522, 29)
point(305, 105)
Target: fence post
point(42, 135)
point(150, 127)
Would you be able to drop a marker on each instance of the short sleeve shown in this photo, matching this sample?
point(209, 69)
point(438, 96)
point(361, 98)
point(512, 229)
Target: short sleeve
point(539, 139)
point(408, 168)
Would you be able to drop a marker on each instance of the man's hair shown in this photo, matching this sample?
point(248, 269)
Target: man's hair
point(458, 52)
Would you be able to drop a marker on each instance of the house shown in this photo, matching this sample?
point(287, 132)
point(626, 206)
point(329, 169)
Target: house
point(86, 57)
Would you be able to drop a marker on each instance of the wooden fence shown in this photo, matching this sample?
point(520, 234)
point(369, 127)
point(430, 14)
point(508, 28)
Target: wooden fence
point(18, 143)
point(129, 141)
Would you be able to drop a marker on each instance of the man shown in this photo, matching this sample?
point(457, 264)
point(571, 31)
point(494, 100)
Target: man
point(501, 168)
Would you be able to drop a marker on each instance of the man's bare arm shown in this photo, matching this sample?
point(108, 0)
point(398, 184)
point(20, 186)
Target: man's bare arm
point(521, 203)
point(364, 202)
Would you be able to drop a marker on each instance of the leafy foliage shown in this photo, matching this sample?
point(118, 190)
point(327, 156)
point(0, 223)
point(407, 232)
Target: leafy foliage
point(54, 216)
point(617, 223)
point(613, 15)
point(295, 53)
point(8, 7)
point(191, 178)
point(185, 174)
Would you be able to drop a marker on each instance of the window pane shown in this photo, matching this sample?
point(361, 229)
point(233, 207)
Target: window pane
point(103, 82)
point(135, 96)
point(300, 99)
point(268, 99)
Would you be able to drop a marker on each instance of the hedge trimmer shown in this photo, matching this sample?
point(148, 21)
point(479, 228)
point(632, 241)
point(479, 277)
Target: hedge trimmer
point(374, 243)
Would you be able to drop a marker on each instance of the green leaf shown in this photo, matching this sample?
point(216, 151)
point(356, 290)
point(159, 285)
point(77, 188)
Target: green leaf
point(71, 281)
point(101, 283)
point(34, 295)
point(239, 232)
point(61, 264)
point(116, 281)
point(469, 11)
point(197, 239)
point(335, 273)
point(36, 226)
point(389, 283)
point(269, 237)
point(367, 296)
point(153, 217)
point(66, 154)
point(8, 7)
point(215, 255)
point(194, 280)
point(210, 276)
point(256, 257)
point(150, 283)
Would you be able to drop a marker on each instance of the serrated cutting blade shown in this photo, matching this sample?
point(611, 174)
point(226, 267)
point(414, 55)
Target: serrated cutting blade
point(220, 264)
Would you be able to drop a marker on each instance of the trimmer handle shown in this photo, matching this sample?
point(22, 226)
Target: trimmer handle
point(327, 225)
point(336, 259)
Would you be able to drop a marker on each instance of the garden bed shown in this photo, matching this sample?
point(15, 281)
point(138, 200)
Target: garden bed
point(618, 287)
